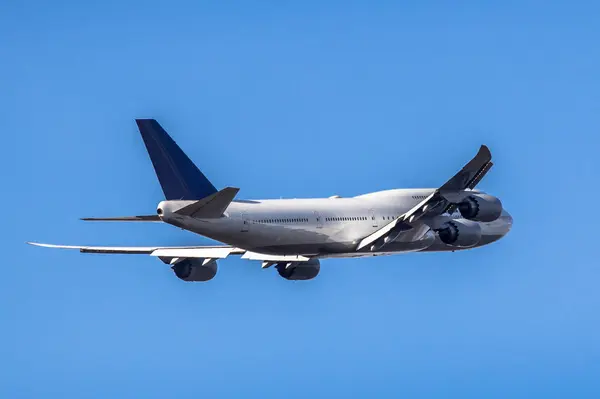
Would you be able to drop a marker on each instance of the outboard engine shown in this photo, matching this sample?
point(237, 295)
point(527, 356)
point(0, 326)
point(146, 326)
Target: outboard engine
point(480, 208)
point(299, 270)
point(194, 269)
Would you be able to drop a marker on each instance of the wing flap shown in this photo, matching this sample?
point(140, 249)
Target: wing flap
point(274, 258)
point(199, 252)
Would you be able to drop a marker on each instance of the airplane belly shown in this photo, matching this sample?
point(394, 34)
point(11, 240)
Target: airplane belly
point(301, 241)
point(268, 238)
point(394, 247)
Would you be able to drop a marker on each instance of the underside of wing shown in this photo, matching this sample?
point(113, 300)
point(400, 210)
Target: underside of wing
point(455, 189)
point(471, 173)
point(172, 255)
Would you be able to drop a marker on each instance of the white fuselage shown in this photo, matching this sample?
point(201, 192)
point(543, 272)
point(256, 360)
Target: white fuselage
point(325, 227)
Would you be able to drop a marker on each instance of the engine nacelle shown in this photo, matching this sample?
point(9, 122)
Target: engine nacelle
point(194, 269)
point(300, 270)
point(481, 208)
point(463, 233)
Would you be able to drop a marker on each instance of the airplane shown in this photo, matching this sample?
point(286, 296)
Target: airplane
point(294, 235)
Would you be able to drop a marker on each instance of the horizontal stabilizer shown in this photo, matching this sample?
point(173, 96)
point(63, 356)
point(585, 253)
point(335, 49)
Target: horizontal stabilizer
point(145, 218)
point(212, 206)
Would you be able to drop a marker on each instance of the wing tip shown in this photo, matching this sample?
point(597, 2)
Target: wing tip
point(485, 151)
point(39, 244)
point(44, 245)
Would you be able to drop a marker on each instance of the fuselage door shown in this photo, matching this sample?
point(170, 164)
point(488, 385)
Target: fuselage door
point(245, 222)
point(319, 221)
point(373, 218)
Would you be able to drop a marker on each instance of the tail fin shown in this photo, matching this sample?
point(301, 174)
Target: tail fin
point(179, 178)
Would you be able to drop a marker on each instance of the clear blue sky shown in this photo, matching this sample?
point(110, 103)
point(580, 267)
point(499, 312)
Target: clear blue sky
point(299, 100)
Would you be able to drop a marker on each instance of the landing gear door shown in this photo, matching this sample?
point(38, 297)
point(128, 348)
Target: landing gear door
point(245, 222)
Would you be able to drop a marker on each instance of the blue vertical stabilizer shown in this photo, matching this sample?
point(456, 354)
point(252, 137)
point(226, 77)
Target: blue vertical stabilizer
point(179, 178)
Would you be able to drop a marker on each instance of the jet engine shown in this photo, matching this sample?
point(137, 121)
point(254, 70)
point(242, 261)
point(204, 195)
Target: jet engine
point(463, 233)
point(299, 270)
point(195, 269)
point(481, 208)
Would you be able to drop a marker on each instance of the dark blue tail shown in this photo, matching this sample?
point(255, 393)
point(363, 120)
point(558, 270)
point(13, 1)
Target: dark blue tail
point(179, 177)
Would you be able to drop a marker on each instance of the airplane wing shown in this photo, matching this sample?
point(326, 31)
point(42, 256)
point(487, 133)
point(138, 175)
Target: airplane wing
point(142, 218)
point(213, 252)
point(441, 200)
point(169, 254)
point(471, 173)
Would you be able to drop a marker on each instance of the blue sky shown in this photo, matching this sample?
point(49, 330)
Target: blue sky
point(299, 100)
